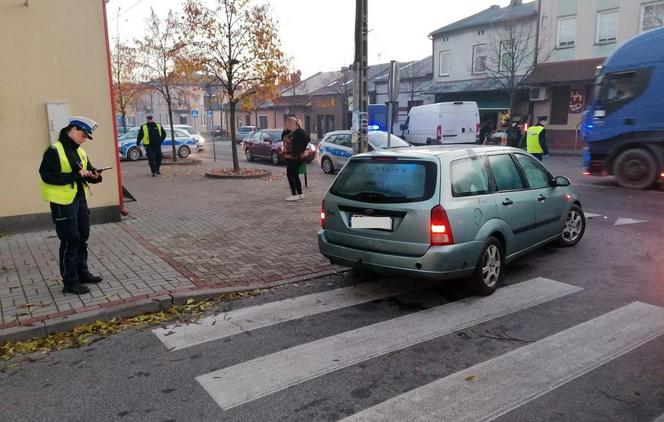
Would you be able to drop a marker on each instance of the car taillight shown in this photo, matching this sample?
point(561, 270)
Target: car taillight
point(477, 128)
point(441, 232)
point(322, 215)
point(439, 132)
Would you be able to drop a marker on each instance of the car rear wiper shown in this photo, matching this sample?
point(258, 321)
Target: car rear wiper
point(377, 196)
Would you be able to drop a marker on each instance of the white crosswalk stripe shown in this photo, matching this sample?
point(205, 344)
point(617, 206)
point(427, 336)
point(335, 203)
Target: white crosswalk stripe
point(484, 392)
point(251, 318)
point(247, 381)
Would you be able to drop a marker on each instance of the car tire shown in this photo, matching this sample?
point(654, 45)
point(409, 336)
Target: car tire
point(489, 268)
point(575, 227)
point(275, 158)
point(248, 155)
point(636, 169)
point(134, 154)
point(327, 165)
point(184, 151)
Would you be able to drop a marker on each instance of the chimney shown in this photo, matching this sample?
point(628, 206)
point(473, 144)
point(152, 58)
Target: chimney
point(516, 3)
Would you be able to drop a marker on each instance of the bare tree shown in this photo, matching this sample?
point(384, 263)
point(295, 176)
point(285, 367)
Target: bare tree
point(413, 79)
point(126, 87)
point(163, 61)
point(511, 57)
point(236, 43)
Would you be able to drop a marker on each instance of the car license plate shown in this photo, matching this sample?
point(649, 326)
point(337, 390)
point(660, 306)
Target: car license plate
point(368, 222)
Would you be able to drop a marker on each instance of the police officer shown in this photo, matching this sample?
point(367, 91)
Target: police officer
point(536, 139)
point(65, 173)
point(152, 135)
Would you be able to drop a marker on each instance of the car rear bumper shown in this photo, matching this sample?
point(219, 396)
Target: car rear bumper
point(439, 262)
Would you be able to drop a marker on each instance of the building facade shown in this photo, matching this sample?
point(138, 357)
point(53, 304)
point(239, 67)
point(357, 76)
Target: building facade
point(576, 36)
point(474, 57)
point(52, 71)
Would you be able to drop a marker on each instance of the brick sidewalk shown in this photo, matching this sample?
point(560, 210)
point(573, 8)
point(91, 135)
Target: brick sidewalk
point(185, 232)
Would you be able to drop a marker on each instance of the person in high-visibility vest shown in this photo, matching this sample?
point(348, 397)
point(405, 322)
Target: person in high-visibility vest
point(536, 139)
point(152, 135)
point(65, 173)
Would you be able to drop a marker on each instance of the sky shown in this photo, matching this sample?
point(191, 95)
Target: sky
point(319, 34)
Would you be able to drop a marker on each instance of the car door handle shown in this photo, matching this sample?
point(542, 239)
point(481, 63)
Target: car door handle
point(541, 198)
point(507, 202)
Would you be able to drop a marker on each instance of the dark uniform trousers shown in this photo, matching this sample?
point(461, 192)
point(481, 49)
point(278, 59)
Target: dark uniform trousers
point(72, 225)
point(154, 158)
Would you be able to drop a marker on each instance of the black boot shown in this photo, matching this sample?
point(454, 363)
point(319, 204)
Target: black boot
point(87, 277)
point(75, 289)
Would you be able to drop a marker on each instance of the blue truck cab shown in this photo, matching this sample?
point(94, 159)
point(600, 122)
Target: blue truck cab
point(623, 125)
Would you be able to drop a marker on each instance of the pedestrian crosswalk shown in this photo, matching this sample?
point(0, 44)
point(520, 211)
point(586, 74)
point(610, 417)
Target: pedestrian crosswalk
point(481, 392)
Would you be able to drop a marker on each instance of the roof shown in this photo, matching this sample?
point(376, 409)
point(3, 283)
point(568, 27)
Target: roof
point(492, 15)
point(468, 85)
point(568, 71)
point(336, 86)
point(311, 84)
point(448, 150)
point(411, 70)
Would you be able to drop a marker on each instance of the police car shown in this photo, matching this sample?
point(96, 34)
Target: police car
point(336, 148)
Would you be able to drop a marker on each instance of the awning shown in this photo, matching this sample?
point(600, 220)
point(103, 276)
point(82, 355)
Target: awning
point(486, 101)
point(565, 73)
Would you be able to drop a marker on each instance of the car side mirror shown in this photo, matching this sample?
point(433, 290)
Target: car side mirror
point(561, 181)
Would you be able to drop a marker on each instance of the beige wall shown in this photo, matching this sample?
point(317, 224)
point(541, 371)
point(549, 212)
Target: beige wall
point(51, 50)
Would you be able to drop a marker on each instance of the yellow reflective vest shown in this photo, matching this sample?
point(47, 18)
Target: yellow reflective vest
point(532, 140)
point(146, 133)
point(64, 194)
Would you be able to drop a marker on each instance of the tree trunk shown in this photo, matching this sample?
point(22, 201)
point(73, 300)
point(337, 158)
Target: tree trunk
point(124, 122)
point(170, 122)
point(236, 165)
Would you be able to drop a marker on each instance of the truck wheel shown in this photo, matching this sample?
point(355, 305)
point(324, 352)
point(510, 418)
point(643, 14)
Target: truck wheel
point(636, 169)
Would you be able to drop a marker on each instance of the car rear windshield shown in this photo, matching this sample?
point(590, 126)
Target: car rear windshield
point(384, 180)
point(379, 140)
point(245, 129)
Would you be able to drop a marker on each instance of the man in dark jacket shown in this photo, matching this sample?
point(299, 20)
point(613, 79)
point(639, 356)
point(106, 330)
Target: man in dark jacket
point(152, 135)
point(65, 174)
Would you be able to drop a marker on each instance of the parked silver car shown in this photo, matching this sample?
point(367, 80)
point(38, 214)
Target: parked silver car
point(446, 212)
point(336, 148)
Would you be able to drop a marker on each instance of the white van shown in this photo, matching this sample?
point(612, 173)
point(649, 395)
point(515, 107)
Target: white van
point(456, 122)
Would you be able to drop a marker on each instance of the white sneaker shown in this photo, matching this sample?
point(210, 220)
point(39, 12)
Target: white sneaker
point(293, 198)
point(301, 196)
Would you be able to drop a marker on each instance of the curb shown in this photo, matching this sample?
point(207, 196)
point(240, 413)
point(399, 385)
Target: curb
point(263, 173)
point(158, 303)
point(567, 153)
point(182, 162)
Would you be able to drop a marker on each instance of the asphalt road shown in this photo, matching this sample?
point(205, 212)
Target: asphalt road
point(567, 356)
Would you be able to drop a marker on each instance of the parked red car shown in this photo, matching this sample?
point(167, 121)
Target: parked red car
point(267, 144)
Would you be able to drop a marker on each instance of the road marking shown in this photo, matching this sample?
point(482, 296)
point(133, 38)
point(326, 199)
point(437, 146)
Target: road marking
point(250, 318)
point(592, 215)
point(623, 221)
point(493, 388)
point(247, 381)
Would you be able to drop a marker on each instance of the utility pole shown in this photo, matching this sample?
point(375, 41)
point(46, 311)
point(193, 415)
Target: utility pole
point(360, 92)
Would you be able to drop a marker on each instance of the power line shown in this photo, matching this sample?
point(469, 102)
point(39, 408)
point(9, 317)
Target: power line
point(127, 10)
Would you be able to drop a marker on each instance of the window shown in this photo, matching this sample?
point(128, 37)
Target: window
point(469, 177)
point(505, 173)
point(652, 16)
point(566, 32)
point(386, 181)
point(414, 103)
point(444, 63)
point(507, 55)
point(262, 122)
point(607, 26)
point(341, 140)
point(559, 105)
point(536, 175)
point(479, 58)
point(618, 89)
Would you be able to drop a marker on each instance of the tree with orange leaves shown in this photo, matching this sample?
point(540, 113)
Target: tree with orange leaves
point(236, 43)
point(126, 88)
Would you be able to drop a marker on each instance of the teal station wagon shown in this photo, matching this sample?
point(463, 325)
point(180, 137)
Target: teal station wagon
point(446, 212)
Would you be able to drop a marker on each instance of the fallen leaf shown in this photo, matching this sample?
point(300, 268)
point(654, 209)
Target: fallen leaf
point(472, 378)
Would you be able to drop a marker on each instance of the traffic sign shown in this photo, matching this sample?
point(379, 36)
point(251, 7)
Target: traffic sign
point(194, 113)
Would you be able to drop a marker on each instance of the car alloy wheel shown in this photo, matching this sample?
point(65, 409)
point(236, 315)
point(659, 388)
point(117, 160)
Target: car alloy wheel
point(486, 276)
point(327, 166)
point(575, 226)
point(275, 158)
point(184, 151)
point(133, 154)
point(248, 155)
